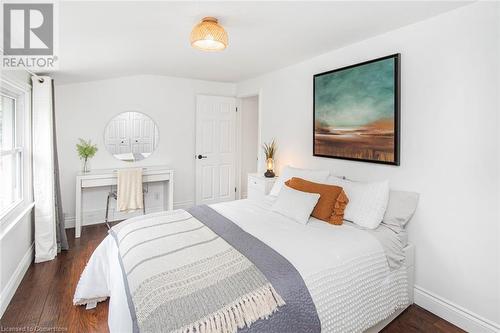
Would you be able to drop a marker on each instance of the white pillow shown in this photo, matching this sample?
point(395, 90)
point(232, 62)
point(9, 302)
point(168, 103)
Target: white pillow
point(367, 201)
point(400, 209)
point(296, 205)
point(318, 176)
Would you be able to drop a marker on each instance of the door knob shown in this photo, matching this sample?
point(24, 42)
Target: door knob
point(201, 156)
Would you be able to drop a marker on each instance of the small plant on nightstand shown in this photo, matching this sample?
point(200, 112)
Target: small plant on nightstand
point(270, 151)
point(86, 150)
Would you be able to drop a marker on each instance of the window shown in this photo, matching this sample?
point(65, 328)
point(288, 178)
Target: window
point(11, 154)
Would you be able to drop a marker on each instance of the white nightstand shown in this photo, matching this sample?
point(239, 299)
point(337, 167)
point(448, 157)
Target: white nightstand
point(259, 186)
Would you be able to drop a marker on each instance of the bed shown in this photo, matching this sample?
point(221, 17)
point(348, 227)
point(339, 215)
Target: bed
point(347, 270)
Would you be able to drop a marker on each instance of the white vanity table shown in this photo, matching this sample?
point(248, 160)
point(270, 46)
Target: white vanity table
point(108, 177)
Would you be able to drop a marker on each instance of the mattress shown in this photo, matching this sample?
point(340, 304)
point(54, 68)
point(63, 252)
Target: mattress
point(344, 268)
point(392, 242)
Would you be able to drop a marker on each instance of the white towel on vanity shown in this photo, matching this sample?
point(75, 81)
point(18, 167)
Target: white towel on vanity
point(129, 196)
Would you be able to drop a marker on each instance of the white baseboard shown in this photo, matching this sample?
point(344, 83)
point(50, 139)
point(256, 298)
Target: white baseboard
point(16, 278)
point(454, 313)
point(92, 217)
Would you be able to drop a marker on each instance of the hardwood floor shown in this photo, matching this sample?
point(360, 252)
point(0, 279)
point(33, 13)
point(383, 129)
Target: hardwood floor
point(44, 300)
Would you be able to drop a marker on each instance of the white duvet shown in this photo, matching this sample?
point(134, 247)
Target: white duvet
point(344, 268)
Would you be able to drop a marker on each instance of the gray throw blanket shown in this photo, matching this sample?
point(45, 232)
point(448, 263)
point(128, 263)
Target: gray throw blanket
point(299, 314)
point(183, 276)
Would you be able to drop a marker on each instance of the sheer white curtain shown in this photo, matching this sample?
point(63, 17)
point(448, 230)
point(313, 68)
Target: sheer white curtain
point(49, 227)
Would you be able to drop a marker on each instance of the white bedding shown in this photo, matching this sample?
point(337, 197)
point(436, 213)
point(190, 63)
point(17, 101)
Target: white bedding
point(344, 268)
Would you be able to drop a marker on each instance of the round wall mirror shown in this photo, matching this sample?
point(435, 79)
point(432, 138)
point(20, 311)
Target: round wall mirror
point(131, 136)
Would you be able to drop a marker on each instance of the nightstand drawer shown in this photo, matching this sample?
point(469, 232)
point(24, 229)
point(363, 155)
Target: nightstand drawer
point(259, 186)
point(256, 184)
point(255, 194)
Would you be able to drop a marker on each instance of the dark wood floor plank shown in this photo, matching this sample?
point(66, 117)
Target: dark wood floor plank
point(444, 326)
point(45, 296)
point(416, 319)
point(30, 297)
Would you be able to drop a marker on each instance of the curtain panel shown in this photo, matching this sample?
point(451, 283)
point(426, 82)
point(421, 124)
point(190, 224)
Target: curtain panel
point(46, 192)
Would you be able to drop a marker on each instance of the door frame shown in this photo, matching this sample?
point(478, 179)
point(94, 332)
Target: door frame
point(236, 153)
point(239, 158)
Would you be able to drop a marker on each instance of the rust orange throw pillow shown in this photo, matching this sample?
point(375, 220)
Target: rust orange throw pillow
point(331, 204)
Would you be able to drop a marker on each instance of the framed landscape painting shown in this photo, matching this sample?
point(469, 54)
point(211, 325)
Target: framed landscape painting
point(357, 111)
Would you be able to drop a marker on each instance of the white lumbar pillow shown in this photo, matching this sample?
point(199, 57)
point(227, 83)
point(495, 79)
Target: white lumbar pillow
point(318, 176)
point(367, 201)
point(296, 205)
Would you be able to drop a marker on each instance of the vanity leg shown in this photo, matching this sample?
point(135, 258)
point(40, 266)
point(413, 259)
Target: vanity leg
point(168, 193)
point(78, 208)
point(171, 192)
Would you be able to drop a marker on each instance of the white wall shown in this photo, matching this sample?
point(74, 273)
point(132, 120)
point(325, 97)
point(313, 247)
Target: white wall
point(16, 254)
point(249, 139)
point(84, 109)
point(449, 146)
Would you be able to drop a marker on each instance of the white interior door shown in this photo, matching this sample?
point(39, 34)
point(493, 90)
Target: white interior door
point(142, 133)
point(215, 149)
point(117, 135)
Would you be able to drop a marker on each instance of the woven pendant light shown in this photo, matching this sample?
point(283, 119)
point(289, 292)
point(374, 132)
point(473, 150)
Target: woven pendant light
point(208, 35)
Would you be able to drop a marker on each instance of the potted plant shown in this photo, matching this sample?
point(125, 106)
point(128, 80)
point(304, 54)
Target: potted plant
point(86, 150)
point(270, 151)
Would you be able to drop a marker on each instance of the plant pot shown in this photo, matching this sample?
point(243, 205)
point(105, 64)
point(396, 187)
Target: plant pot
point(270, 168)
point(85, 165)
point(269, 174)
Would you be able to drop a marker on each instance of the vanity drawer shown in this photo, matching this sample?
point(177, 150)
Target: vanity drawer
point(96, 182)
point(156, 178)
point(108, 181)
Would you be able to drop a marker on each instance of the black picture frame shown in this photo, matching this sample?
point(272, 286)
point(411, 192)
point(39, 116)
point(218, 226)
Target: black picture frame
point(397, 110)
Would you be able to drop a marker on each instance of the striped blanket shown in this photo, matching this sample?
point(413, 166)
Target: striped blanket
point(182, 277)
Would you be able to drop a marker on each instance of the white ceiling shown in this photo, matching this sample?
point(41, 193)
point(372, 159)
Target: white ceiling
point(100, 40)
